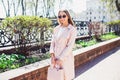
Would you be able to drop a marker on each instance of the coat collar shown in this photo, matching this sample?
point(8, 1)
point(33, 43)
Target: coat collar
point(68, 27)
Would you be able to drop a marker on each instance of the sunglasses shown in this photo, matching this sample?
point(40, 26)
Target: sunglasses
point(64, 16)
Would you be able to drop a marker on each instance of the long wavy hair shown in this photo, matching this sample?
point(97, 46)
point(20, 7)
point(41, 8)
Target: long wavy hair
point(70, 21)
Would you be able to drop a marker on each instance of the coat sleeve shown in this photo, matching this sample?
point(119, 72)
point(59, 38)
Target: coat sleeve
point(52, 45)
point(69, 46)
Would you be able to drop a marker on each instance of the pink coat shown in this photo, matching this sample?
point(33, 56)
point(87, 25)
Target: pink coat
point(62, 48)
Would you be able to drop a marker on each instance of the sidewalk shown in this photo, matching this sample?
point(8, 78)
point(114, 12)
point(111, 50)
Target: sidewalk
point(104, 67)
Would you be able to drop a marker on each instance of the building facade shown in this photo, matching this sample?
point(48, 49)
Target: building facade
point(96, 10)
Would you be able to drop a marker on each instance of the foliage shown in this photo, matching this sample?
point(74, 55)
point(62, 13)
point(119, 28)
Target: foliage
point(10, 61)
point(116, 26)
point(86, 43)
point(24, 26)
point(21, 22)
point(109, 36)
point(114, 22)
point(13, 61)
point(112, 4)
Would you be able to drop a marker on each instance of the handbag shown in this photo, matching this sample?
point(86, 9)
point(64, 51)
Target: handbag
point(55, 73)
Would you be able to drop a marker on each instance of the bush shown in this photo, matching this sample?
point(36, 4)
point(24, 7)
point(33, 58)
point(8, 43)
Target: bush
point(14, 61)
point(116, 26)
point(86, 43)
point(109, 36)
point(116, 22)
point(24, 27)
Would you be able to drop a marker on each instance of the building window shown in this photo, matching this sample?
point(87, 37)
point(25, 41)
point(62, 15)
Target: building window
point(90, 12)
point(103, 17)
point(99, 7)
point(99, 17)
point(99, 12)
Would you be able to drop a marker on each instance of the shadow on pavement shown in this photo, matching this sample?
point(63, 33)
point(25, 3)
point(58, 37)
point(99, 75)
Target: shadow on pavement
point(93, 62)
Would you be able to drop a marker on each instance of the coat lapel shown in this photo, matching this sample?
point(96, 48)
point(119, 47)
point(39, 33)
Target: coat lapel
point(65, 32)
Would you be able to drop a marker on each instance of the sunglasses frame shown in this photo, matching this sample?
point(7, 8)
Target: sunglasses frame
point(64, 16)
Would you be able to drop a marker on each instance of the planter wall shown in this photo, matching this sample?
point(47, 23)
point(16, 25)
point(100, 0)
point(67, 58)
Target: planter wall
point(91, 52)
point(38, 70)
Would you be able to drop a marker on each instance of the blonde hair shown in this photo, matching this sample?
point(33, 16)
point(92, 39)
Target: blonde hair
point(70, 21)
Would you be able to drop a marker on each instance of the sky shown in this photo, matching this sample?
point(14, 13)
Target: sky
point(77, 6)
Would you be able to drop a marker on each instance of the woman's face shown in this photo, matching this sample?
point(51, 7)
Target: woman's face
point(63, 18)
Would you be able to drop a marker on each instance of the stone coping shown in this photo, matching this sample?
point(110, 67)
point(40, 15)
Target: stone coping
point(23, 70)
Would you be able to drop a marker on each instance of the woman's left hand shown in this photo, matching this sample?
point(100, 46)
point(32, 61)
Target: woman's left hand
point(59, 62)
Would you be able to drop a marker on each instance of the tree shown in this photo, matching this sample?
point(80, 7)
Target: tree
point(118, 5)
point(7, 6)
point(16, 4)
point(111, 2)
point(36, 7)
point(61, 2)
point(48, 7)
point(32, 6)
point(23, 6)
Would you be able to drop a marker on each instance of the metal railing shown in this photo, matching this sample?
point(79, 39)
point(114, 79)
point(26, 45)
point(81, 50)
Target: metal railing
point(9, 39)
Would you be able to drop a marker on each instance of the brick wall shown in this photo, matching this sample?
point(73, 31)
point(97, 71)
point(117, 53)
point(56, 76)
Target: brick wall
point(89, 53)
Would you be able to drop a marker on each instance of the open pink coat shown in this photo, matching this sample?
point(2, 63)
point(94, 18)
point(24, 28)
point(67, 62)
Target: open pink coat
point(62, 48)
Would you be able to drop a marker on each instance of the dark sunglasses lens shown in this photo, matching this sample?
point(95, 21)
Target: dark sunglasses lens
point(64, 16)
point(59, 16)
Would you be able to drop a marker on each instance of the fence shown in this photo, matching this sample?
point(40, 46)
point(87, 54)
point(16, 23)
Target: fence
point(9, 39)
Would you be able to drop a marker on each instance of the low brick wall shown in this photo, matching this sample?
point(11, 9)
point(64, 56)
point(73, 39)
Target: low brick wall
point(38, 70)
point(91, 52)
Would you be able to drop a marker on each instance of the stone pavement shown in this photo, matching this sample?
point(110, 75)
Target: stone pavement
point(104, 67)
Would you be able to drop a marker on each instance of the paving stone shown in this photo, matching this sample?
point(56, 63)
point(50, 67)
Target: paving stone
point(104, 67)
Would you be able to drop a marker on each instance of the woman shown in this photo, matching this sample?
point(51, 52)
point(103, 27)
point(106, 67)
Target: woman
point(62, 43)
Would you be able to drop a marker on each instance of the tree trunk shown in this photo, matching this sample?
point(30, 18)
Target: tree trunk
point(7, 9)
point(36, 7)
point(4, 7)
point(44, 8)
point(8, 14)
point(23, 7)
point(117, 5)
point(16, 6)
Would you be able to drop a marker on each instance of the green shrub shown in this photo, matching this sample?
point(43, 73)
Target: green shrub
point(109, 36)
point(114, 22)
point(86, 43)
point(25, 26)
point(13, 61)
